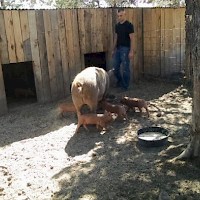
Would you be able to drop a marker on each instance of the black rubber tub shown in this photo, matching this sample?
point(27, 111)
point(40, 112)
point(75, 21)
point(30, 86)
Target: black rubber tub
point(152, 136)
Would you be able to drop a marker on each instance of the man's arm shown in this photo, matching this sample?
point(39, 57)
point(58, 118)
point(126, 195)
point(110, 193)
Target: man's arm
point(131, 45)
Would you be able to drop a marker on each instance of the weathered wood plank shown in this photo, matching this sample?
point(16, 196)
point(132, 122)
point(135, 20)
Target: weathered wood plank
point(50, 54)
point(137, 53)
point(134, 62)
point(169, 59)
point(111, 30)
point(35, 56)
point(43, 55)
point(153, 50)
point(127, 10)
point(93, 40)
point(58, 62)
point(3, 102)
point(99, 30)
point(10, 35)
point(176, 52)
point(88, 34)
point(64, 52)
point(140, 44)
point(162, 63)
point(82, 32)
point(132, 17)
point(182, 38)
point(70, 45)
point(18, 36)
point(76, 43)
point(25, 35)
point(81, 25)
point(105, 32)
point(147, 40)
point(155, 53)
point(3, 41)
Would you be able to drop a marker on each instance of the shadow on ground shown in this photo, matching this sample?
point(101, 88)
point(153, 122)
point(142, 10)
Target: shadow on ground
point(124, 170)
point(118, 168)
point(29, 121)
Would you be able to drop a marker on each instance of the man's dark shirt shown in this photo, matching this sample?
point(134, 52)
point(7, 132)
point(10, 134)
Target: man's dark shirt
point(123, 31)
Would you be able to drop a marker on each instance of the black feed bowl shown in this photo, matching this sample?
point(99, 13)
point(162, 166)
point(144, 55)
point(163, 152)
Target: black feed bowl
point(153, 143)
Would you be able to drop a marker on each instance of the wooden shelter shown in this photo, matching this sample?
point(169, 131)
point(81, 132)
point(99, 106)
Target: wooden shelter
point(56, 41)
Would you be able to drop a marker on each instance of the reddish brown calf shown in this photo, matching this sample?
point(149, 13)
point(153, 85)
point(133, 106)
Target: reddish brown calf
point(120, 110)
point(100, 120)
point(132, 103)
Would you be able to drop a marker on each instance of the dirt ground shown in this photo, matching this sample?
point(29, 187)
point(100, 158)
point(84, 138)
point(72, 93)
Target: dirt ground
point(41, 157)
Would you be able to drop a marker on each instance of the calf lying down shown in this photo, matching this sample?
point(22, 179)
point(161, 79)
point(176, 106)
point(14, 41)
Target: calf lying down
point(132, 103)
point(100, 120)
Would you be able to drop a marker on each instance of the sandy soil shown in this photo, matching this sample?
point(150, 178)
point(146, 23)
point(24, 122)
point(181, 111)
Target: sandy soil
point(42, 158)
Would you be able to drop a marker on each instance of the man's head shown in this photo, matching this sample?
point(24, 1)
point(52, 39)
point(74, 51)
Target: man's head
point(121, 15)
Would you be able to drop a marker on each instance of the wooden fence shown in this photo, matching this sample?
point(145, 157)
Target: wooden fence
point(164, 41)
point(56, 41)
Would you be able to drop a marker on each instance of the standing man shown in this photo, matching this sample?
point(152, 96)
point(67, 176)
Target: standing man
point(123, 49)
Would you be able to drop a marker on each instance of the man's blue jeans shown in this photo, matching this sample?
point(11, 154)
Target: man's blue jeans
point(121, 59)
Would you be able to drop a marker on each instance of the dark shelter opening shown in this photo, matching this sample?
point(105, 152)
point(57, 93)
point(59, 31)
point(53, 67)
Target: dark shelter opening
point(19, 83)
point(95, 59)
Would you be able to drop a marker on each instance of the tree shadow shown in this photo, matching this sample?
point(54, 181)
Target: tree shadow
point(31, 121)
point(107, 176)
point(183, 175)
point(127, 171)
point(119, 168)
point(79, 143)
point(116, 167)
